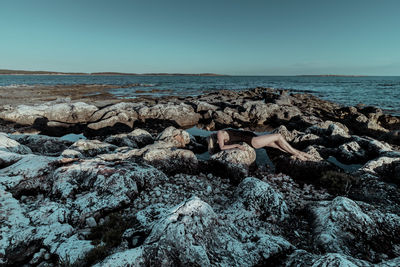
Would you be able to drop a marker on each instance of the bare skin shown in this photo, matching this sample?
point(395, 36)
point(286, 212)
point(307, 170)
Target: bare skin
point(270, 140)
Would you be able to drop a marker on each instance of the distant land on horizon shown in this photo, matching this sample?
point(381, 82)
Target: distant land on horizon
point(29, 72)
point(331, 75)
point(110, 73)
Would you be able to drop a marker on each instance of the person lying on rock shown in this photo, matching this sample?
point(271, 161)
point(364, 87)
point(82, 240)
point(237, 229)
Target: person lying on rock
point(231, 138)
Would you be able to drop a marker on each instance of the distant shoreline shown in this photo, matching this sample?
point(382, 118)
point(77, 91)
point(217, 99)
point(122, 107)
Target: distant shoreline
point(27, 72)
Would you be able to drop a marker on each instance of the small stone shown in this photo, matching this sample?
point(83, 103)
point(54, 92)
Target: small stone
point(91, 222)
point(135, 241)
point(209, 189)
point(47, 256)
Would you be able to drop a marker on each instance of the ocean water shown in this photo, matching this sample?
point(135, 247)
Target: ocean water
point(380, 91)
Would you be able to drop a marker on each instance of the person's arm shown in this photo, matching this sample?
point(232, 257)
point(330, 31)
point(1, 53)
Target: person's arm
point(221, 142)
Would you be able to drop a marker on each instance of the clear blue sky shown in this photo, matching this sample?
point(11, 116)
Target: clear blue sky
point(228, 37)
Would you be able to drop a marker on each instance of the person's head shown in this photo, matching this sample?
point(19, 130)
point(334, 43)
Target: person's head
point(213, 146)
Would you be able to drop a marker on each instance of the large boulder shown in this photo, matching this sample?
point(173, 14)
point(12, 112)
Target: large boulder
point(341, 223)
point(26, 229)
point(233, 163)
point(67, 113)
point(175, 137)
point(138, 138)
point(93, 187)
point(181, 114)
point(261, 112)
point(260, 198)
point(192, 234)
point(123, 113)
point(28, 173)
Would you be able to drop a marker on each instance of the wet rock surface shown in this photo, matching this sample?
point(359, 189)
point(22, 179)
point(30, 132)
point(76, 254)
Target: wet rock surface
point(138, 192)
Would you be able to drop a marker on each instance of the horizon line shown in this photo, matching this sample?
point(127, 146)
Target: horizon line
point(116, 73)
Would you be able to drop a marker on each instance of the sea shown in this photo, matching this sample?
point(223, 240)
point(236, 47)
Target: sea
point(380, 91)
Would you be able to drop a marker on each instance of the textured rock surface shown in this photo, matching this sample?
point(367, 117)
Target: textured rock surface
point(234, 163)
point(10, 145)
point(339, 222)
point(140, 192)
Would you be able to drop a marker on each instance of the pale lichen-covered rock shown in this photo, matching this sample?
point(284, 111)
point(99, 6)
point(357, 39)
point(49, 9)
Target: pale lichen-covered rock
point(261, 198)
point(13, 220)
point(182, 114)
point(90, 148)
point(94, 186)
point(191, 233)
point(341, 222)
point(71, 153)
point(204, 106)
point(28, 174)
point(23, 114)
point(261, 112)
point(67, 112)
point(25, 228)
point(8, 158)
point(176, 137)
point(78, 112)
point(10, 145)
point(124, 113)
point(234, 163)
point(73, 249)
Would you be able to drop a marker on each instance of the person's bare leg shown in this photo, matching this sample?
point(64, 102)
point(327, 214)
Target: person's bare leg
point(282, 141)
point(276, 141)
point(274, 145)
point(286, 146)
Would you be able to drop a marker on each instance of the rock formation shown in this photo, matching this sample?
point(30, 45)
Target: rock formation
point(137, 192)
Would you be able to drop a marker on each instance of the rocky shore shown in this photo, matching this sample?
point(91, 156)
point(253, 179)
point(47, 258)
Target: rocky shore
point(135, 191)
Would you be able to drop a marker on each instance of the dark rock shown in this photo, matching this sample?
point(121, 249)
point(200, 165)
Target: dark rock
point(42, 144)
